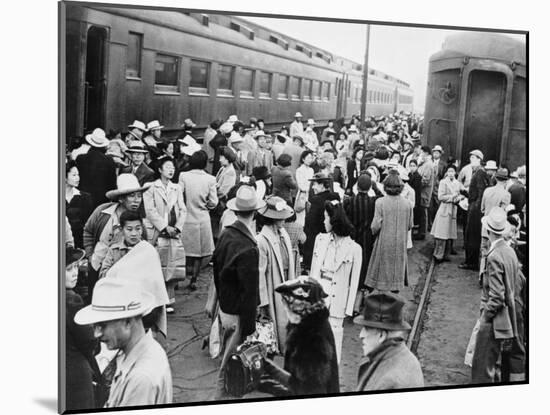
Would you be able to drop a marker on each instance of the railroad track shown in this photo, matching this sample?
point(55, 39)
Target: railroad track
point(414, 335)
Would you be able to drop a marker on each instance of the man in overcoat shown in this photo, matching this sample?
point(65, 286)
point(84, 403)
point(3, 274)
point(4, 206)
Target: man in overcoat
point(97, 170)
point(387, 362)
point(498, 328)
point(236, 277)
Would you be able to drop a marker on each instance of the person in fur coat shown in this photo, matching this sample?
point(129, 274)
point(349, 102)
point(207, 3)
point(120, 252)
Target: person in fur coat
point(310, 365)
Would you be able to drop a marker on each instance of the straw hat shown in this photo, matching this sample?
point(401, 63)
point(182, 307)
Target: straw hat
point(276, 208)
point(383, 311)
point(311, 121)
point(97, 138)
point(136, 147)
point(113, 300)
point(245, 200)
point(126, 183)
point(139, 125)
point(233, 119)
point(491, 165)
point(496, 221)
point(298, 115)
point(154, 125)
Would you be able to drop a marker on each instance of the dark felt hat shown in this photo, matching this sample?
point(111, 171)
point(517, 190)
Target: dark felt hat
point(304, 288)
point(261, 173)
point(383, 311)
point(319, 177)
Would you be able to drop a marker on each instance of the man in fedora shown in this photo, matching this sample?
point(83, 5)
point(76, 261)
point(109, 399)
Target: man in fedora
point(142, 375)
point(296, 127)
point(135, 131)
point(236, 276)
point(97, 170)
point(137, 152)
point(472, 235)
point(498, 330)
point(103, 226)
point(387, 362)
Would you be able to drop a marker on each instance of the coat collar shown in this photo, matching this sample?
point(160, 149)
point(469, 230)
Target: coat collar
point(385, 351)
point(242, 228)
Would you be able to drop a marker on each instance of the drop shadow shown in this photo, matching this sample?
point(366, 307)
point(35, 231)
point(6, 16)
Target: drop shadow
point(48, 403)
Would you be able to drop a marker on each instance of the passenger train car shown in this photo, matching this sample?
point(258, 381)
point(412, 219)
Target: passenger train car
point(124, 64)
point(476, 98)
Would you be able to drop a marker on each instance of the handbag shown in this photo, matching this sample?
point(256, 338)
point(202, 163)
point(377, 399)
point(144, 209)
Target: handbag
point(244, 368)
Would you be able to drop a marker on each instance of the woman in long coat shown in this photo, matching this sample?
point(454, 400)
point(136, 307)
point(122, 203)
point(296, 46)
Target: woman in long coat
point(393, 217)
point(276, 263)
point(200, 194)
point(444, 228)
point(165, 216)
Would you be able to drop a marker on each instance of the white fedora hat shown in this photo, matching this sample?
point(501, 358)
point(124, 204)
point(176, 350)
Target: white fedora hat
point(496, 221)
point(191, 149)
point(298, 115)
point(233, 119)
point(353, 127)
point(491, 165)
point(126, 183)
point(437, 148)
point(136, 146)
point(235, 137)
point(188, 140)
point(114, 299)
point(245, 200)
point(154, 125)
point(97, 138)
point(311, 121)
point(139, 125)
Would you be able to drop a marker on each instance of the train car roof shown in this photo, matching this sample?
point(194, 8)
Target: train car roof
point(238, 30)
point(482, 45)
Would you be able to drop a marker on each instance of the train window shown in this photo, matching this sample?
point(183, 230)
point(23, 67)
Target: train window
point(265, 84)
point(133, 55)
point(337, 86)
point(166, 73)
point(307, 89)
point(326, 91)
point(225, 79)
point(295, 86)
point(198, 83)
point(316, 90)
point(283, 87)
point(246, 81)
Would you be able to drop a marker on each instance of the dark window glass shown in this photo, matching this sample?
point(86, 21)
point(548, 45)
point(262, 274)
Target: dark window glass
point(166, 70)
point(283, 86)
point(295, 84)
point(326, 91)
point(133, 58)
point(265, 84)
point(247, 82)
point(199, 74)
point(307, 88)
point(225, 74)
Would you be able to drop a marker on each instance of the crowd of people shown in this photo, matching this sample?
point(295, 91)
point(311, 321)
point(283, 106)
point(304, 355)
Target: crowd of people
point(303, 228)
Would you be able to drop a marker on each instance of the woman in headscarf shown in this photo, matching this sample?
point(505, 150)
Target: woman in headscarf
point(393, 218)
point(165, 216)
point(276, 263)
point(201, 196)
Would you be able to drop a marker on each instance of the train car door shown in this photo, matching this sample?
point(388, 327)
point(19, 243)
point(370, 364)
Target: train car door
point(340, 92)
point(95, 79)
point(484, 116)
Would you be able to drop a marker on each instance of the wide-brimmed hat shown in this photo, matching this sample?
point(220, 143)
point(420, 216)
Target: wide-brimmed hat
point(139, 125)
point(327, 141)
point(226, 128)
point(311, 121)
point(188, 123)
point(73, 255)
point(114, 299)
point(491, 165)
point(319, 177)
point(496, 221)
point(154, 125)
point(477, 153)
point(126, 183)
point(245, 200)
point(304, 288)
point(383, 311)
point(502, 174)
point(298, 115)
point(136, 147)
point(438, 148)
point(276, 208)
point(298, 137)
point(233, 119)
point(97, 138)
point(187, 140)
